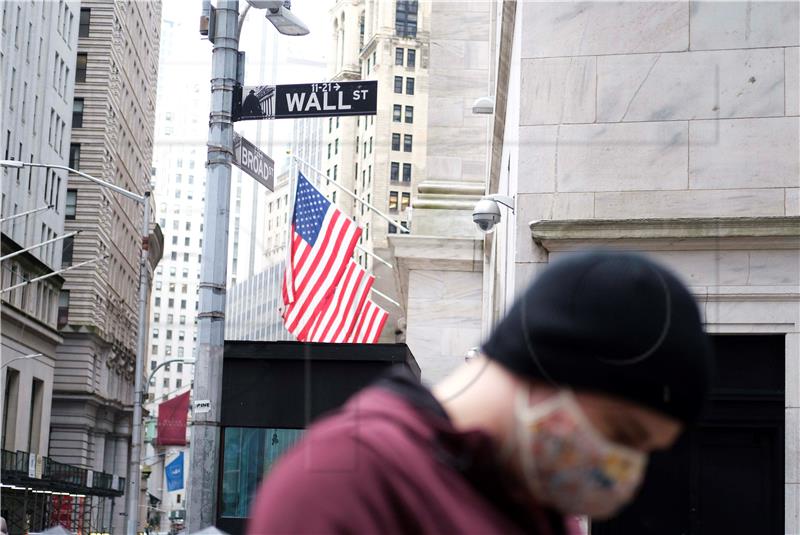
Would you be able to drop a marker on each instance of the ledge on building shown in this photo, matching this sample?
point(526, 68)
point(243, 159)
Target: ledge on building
point(53, 476)
point(781, 232)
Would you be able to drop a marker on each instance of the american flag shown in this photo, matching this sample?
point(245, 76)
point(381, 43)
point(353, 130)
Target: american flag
point(369, 325)
point(323, 239)
point(338, 319)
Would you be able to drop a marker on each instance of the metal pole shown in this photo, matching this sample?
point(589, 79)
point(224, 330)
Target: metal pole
point(400, 228)
point(53, 274)
point(15, 253)
point(29, 212)
point(204, 448)
point(134, 471)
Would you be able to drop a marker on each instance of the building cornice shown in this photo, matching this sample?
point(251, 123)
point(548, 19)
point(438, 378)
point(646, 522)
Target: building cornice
point(782, 232)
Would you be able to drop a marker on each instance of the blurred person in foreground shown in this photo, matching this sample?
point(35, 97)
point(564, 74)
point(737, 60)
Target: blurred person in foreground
point(601, 361)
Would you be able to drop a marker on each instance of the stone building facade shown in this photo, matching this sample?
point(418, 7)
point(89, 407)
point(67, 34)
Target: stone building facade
point(112, 138)
point(670, 128)
point(37, 61)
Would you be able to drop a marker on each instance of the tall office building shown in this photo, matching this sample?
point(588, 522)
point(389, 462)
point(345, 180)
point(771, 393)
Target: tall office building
point(37, 61)
point(382, 157)
point(112, 138)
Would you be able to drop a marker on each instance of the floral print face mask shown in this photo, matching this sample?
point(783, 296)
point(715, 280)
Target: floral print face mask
point(568, 464)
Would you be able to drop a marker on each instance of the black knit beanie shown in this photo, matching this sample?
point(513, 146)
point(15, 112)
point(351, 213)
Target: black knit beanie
point(614, 323)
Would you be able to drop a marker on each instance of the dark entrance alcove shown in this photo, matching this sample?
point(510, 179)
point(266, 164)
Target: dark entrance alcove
point(725, 475)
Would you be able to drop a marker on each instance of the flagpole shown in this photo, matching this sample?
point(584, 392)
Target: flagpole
point(386, 297)
point(399, 226)
point(376, 257)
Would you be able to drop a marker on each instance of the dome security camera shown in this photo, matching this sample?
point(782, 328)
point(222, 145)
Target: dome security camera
point(486, 213)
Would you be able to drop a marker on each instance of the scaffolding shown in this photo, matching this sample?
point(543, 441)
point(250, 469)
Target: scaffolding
point(40, 493)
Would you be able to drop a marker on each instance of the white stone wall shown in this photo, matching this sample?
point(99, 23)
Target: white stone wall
point(444, 319)
point(637, 110)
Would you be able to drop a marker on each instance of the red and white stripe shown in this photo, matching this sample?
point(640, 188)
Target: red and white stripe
point(316, 270)
point(370, 324)
point(342, 310)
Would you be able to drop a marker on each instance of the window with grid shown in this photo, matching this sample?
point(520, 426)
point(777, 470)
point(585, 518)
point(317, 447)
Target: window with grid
point(398, 84)
point(72, 204)
point(406, 172)
point(407, 142)
point(394, 175)
point(395, 141)
point(66, 251)
point(83, 25)
point(409, 86)
point(411, 58)
point(409, 114)
point(80, 66)
point(397, 113)
point(405, 200)
point(405, 19)
point(392, 202)
point(77, 113)
point(398, 56)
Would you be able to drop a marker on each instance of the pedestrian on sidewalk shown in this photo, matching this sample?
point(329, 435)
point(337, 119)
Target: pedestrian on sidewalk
point(601, 361)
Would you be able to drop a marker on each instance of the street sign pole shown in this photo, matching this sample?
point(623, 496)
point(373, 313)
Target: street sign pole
point(204, 448)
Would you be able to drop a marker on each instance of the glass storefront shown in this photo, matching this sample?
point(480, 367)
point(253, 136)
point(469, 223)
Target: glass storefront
point(248, 455)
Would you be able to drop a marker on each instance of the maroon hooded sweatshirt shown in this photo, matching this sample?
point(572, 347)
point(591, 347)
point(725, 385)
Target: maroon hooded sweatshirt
point(390, 461)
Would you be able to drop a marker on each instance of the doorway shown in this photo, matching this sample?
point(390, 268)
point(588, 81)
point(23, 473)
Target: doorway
point(725, 475)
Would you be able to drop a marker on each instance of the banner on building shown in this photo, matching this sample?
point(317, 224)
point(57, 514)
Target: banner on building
point(172, 416)
point(174, 471)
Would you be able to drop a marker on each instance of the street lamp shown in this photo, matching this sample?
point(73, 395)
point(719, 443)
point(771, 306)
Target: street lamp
point(188, 360)
point(204, 448)
point(136, 431)
point(31, 356)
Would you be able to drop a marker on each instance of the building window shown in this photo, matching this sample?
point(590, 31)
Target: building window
point(392, 202)
point(394, 175)
point(395, 141)
point(411, 58)
point(407, 142)
point(80, 67)
point(63, 308)
point(398, 56)
point(409, 114)
point(75, 156)
point(392, 229)
point(77, 113)
point(397, 113)
point(83, 25)
point(180, 364)
point(405, 200)
point(166, 382)
point(153, 364)
point(178, 383)
point(72, 204)
point(398, 84)
point(406, 172)
point(167, 366)
point(405, 19)
point(66, 251)
point(409, 86)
